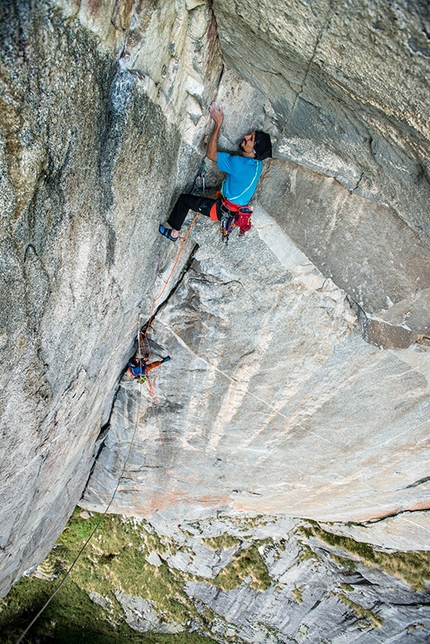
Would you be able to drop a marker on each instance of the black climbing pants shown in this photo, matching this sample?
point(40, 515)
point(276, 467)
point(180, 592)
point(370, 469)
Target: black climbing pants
point(189, 202)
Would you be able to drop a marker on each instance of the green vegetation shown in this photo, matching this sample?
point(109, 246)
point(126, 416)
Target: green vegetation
point(297, 593)
point(253, 522)
point(71, 618)
point(375, 620)
point(223, 542)
point(411, 567)
point(348, 565)
point(114, 560)
point(246, 563)
point(307, 552)
point(347, 587)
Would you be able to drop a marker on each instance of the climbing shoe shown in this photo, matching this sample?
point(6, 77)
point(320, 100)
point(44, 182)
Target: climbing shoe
point(167, 232)
point(166, 359)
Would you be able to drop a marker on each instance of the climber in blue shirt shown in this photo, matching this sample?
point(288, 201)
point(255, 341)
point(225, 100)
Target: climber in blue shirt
point(139, 366)
point(242, 174)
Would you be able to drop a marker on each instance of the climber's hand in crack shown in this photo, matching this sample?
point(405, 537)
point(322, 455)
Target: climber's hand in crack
point(216, 113)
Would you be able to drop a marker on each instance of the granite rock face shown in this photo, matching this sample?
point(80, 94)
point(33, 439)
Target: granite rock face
point(89, 164)
point(363, 247)
point(349, 88)
point(272, 403)
point(272, 390)
point(314, 594)
point(343, 91)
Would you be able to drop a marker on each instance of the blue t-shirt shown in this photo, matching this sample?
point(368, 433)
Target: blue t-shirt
point(242, 177)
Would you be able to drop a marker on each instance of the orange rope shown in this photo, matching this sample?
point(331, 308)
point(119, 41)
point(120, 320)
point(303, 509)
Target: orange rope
point(169, 276)
point(151, 384)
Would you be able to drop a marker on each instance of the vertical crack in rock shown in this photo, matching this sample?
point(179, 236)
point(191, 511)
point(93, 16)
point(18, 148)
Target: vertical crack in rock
point(324, 26)
point(105, 429)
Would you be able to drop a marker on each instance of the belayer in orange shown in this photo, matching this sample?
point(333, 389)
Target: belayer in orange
point(242, 174)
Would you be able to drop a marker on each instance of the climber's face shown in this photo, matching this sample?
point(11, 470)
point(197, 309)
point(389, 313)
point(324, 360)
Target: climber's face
point(247, 145)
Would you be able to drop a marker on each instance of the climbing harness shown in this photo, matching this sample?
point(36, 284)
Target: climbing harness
point(233, 215)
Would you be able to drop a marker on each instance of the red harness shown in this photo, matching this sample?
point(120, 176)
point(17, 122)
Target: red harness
point(242, 214)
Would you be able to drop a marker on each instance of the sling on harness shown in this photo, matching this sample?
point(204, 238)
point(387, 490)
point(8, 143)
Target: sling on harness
point(230, 215)
point(234, 215)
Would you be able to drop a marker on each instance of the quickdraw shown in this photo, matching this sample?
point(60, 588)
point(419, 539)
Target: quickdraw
point(200, 179)
point(227, 223)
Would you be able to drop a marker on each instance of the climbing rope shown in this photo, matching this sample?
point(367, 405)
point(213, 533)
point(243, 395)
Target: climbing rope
point(99, 522)
point(141, 339)
point(155, 300)
point(150, 380)
point(236, 383)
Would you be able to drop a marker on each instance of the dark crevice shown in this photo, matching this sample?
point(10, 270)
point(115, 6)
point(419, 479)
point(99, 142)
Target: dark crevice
point(104, 431)
point(98, 446)
point(371, 522)
point(419, 482)
point(358, 182)
point(392, 515)
point(180, 279)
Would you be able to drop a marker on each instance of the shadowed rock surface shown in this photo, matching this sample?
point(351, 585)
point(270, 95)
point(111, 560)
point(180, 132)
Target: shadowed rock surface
point(89, 164)
point(349, 88)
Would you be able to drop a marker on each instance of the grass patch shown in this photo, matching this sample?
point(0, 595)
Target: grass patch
point(375, 620)
point(246, 563)
point(223, 542)
point(348, 565)
point(306, 553)
point(347, 587)
point(114, 560)
point(297, 593)
point(412, 567)
point(71, 618)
